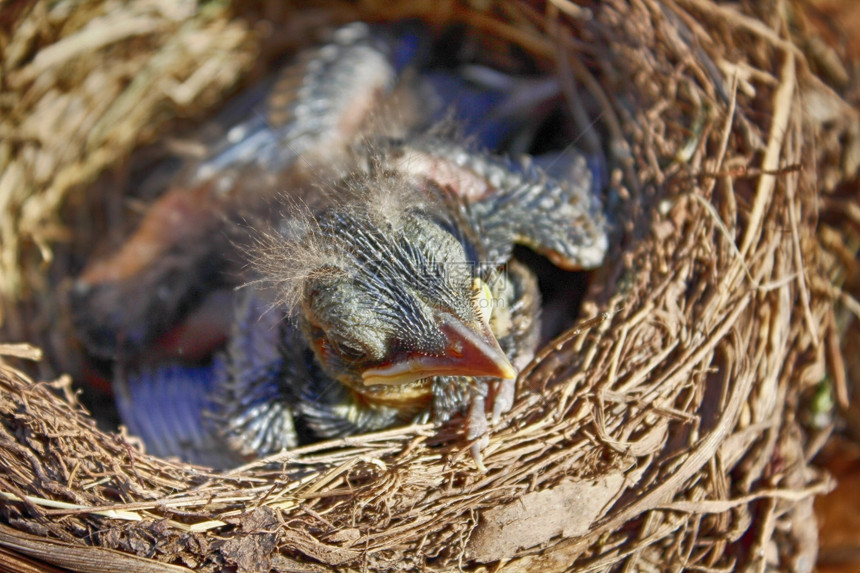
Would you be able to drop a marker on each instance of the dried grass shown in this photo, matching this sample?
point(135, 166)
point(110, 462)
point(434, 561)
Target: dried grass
point(665, 431)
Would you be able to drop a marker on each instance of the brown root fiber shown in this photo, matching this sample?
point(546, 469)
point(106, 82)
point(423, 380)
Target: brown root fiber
point(667, 432)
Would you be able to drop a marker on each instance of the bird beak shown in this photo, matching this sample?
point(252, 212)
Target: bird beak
point(468, 352)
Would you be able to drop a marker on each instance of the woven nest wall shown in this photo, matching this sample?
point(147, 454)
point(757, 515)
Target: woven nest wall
point(665, 431)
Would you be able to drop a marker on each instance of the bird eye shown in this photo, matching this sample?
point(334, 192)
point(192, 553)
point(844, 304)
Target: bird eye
point(348, 350)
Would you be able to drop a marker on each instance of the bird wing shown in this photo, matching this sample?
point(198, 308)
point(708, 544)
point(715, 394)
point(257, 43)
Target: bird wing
point(257, 383)
point(511, 202)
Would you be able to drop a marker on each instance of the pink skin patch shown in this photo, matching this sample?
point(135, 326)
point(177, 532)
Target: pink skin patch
point(460, 180)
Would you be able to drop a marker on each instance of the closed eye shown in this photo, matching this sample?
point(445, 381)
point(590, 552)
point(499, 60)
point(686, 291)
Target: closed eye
point(348, 350)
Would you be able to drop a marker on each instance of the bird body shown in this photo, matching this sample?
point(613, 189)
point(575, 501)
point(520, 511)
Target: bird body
point(383, 292)
point(399, 307)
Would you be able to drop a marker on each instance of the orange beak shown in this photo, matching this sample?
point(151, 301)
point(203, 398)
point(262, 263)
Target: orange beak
point(468, 352)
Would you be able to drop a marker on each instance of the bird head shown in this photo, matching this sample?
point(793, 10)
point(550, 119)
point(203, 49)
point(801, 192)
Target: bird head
point(389, 295)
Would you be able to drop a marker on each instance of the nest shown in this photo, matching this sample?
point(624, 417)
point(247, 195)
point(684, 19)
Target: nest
point(666, 428)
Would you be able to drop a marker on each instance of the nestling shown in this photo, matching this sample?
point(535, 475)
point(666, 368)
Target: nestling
point(386, 294)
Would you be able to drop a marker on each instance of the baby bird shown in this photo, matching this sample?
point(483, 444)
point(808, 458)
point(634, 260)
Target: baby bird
point(387, 294)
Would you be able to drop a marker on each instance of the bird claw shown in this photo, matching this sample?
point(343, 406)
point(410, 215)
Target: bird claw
point(504, 398)
point(475, 450)
point(478, 429)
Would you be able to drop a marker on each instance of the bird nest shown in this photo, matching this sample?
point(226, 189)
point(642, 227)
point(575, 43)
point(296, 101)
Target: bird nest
point(665, 428)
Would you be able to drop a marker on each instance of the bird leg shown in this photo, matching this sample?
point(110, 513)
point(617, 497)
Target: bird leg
point(478, 429)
